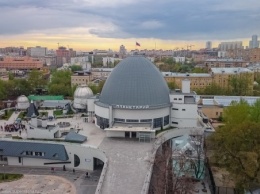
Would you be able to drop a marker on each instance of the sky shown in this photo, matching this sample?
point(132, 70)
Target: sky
point(106, 24)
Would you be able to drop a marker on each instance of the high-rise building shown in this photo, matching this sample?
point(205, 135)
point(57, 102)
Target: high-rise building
point(254, 43)
point(224, 46)
point(122, 51)
point(208, 45)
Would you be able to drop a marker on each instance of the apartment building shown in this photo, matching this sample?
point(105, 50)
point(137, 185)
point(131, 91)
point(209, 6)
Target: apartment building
point(238, 54)
point(254, 55)
point(101, 72)
point(197, 80)
point(219, 76)
point(36, 51)
point(224, 46)
point(20, 63)
point(81, 78)
point(224, 63)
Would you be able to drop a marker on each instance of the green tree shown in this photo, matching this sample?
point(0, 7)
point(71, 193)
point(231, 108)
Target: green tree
point(236, 145)
point(37, 80)
point(240, 84)
point(172, 85)
point(75, 68)
point(60, 83)
point(199, 70)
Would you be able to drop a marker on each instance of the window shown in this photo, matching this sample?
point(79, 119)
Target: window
point(175, 109)
point(166, 120)
point(216, 113)
point(76, 160)
point(132, 120)
point(175, 99)
point(180, 98)
point(119, 120)
point(55, 155)
point(157, 122)
point(146, 120)
point(183, 109)
point(175, 123)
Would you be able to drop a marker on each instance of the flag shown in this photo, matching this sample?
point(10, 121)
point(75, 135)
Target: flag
point(137, 44)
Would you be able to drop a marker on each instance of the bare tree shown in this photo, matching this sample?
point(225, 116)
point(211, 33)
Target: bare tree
point(175, 169)
point(164, 178)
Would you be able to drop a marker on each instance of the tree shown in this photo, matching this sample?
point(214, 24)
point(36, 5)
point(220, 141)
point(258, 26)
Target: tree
point(241, 84)
point(199, 70)
point(236, 145)
point(60, 83)
point(75, 68)
point(165, 178)
point(172, 85)
point(36, 79)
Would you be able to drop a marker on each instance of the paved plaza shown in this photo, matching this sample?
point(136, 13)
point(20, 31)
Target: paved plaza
point(45, 181)
point(128, 165)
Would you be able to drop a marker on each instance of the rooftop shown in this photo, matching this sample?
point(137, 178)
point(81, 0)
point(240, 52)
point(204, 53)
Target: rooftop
point(41, 98)
point(231, 70)
point(176, 74)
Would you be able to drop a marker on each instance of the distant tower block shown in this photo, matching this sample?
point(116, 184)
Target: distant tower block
point(186, 86)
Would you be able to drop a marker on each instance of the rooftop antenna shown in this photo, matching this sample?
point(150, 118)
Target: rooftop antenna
point(68, 47)
point(58, 45)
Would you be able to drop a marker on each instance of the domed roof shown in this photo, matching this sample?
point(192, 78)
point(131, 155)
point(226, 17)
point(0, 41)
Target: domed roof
point(83, 91)
point(135, 81)
point(22, 99)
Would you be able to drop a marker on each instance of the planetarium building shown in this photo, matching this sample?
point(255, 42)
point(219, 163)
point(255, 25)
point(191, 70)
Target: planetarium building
point(135, 99)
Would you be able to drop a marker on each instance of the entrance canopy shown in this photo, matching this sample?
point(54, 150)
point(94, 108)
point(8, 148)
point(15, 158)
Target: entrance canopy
point(132, 127)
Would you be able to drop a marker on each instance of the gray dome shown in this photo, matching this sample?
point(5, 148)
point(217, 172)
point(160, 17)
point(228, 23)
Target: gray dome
point(135, 81)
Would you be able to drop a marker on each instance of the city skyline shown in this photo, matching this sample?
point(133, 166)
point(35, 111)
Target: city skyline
point(87, 25)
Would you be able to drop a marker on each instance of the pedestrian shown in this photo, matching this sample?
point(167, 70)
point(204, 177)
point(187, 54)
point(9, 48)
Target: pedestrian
point(73, 171)
point(86, 174)
point(64, 168)
point(52, 169)
point(20, 132)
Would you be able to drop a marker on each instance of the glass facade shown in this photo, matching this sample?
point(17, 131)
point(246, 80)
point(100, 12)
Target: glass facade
point(166, 120)
point(102, 122)
point(158, 122)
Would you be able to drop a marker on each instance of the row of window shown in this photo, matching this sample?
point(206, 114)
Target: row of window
point(177, 99)
point(31, 153)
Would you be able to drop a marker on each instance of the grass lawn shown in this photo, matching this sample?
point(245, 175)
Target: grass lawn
point(166, 129)
point(43, 113)
point(4, 177)
point(21, 115)
point(58, 112)
point(8, 115)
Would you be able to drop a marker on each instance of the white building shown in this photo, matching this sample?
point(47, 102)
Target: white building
point(179, 59)
point(184, 110)
point(40, 129)
point(222, 54)
point(36, 51)
point(79, 60)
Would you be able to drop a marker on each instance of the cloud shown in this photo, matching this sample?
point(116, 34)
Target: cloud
point(167, 19)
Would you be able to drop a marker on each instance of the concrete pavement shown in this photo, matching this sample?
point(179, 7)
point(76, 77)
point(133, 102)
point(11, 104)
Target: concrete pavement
point(82, 184)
